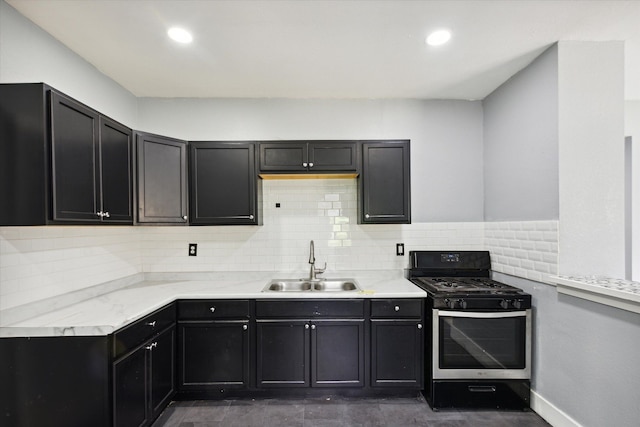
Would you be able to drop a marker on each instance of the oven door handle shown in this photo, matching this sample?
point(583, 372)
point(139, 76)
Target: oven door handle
point(480, 315)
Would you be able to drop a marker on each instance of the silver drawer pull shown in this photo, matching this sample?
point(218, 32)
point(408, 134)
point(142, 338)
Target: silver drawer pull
point(152, 324)
point(419, 326)
point(212, 309)
point(245, 327)
point(396, 308)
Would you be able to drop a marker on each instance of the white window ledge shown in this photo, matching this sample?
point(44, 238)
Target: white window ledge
point(623, 294)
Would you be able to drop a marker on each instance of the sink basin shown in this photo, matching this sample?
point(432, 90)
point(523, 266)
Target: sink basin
point(339, 285)
point(288, 286)
point(304, 285)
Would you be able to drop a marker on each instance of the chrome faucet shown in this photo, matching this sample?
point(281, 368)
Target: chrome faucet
point(312, 260)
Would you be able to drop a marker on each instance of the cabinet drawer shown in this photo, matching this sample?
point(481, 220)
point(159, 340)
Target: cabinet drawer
point(129, 337)
point(396, 308)
point(213, 309)
point(310, 309)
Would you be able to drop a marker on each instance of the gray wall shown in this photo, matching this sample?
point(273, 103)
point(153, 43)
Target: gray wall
point(446, 137)
point(585, 359)
point(521, 144)
point(29, 54)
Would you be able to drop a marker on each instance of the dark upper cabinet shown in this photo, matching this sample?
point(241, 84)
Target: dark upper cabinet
point(62, 162)
point(224, 187)
point(162, 179)
point(316, 156)
point(384, 188)
point(116, 152)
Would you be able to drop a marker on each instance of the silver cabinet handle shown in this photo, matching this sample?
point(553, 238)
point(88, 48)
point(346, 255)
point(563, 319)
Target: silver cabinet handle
point(313, 326)
point(251, 217)
point(152, 324)
point(151, 346)
point(184, 217)
point(306, 326)
point(212, 309)
point(419, 325)
point(245, 327)
point(310, 165)
point(396, 308)
point(304, 165)
point(106, 214)
point(366, 216)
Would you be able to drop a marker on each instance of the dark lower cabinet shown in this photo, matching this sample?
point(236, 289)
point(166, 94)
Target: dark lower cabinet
point(54, 381)
point(213, 355)
point(283, 354)
point(144, 381)
point(397, 343)
point(384, 188)
point(337, 353)
point(397, 353)
point(303, 353)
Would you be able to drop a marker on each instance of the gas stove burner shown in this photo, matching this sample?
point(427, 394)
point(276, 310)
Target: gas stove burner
point(475, 285)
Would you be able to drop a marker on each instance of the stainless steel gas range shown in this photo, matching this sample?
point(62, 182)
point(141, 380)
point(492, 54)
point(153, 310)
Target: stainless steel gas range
point(478, 330)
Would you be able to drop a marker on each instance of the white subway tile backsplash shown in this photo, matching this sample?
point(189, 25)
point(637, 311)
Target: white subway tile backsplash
point(527, 249)
point(42, 262)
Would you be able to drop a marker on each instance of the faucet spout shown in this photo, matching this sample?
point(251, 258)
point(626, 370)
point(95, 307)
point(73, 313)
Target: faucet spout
point(313, 272)
point(312, 257)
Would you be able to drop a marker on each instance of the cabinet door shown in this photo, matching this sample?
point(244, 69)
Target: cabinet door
point(337, 353)
point(332, 156)
point(213, 355)
point(283, 354)
point(75, 160)
point(162, 179)
point(385, 183)
point(223, 183)
point(130, 390)
point(162, 380)
point(116, 179)
point(283, 156)
point(397, 353)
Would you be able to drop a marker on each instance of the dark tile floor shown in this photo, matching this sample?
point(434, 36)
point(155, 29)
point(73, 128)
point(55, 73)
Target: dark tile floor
point(334, 411)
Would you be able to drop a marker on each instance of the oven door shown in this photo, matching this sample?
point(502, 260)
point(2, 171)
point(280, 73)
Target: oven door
point(481, 345)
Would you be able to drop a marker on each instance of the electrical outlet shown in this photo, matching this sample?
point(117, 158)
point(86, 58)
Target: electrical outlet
point(400, 249)
point(193, 249)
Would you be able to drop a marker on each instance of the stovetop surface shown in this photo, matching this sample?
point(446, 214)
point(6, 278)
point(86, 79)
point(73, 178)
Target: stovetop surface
point(464, 285)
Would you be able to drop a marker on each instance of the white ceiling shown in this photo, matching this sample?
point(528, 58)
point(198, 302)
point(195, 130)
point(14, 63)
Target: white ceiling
point(328, 49)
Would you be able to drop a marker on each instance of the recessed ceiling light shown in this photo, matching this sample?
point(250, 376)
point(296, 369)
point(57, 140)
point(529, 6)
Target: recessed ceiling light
point(180, 35)
point(438, 38)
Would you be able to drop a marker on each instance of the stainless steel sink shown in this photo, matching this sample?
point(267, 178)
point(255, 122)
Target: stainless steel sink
point(288, 286)
point(336, 285)
point(305, 285)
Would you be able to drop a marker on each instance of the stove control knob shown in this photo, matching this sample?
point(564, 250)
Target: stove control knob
point(517, 303)
point(504, 303)
point(450, 303)
point(462, 303)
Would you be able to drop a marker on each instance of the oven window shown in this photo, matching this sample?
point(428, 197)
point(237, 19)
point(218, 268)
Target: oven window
point(479, 343)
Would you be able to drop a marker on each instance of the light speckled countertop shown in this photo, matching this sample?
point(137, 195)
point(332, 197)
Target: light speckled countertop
point(103, 314)
point(619, 293)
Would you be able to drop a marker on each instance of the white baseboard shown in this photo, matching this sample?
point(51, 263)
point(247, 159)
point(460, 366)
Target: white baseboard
point(550, 412)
